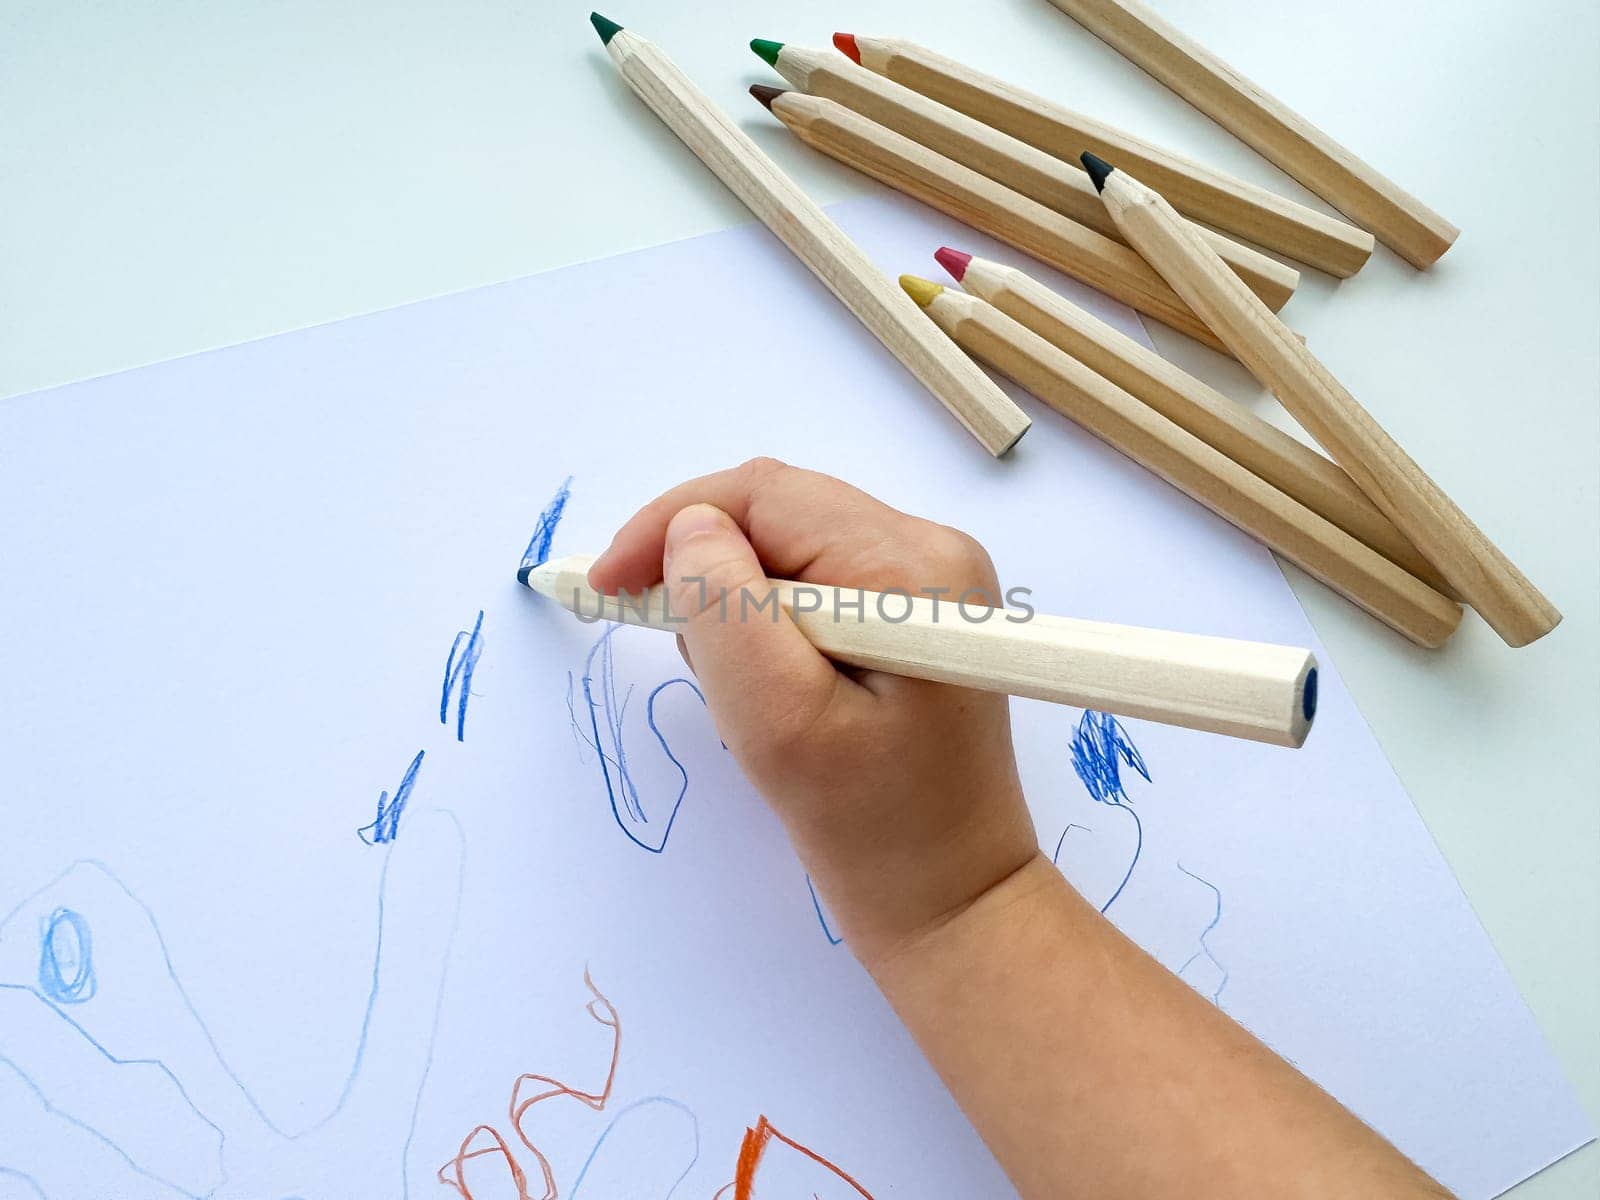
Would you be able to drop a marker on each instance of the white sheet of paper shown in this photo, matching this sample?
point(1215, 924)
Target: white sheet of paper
point(232, 586)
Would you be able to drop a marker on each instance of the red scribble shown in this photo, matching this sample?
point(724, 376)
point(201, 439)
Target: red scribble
point(466, 1153)
point(755, 1145)
point(602, 1011)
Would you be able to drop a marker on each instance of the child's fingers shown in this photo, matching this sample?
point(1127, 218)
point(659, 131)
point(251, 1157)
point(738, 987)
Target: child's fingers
point(803, 525)
point(762, 679)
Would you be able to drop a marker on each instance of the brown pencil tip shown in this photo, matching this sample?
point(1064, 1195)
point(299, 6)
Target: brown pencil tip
point(766, 94)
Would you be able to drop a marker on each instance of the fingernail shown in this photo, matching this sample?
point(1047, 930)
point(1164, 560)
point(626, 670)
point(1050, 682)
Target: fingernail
point(697, 518)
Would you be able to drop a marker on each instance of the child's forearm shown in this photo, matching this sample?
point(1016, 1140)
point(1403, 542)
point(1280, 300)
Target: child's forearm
point(1092, 1071)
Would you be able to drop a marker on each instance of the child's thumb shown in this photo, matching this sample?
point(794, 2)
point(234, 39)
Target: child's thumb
point(756, 668)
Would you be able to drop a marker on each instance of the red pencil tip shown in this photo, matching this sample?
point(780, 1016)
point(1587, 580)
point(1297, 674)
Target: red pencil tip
point(846, 44)
point(953, 261)
point(766, 94)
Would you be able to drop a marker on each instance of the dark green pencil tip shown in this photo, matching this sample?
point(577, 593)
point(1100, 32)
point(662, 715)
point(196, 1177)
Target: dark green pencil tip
point(1098, 169)
point(605, 27)
point(767, 50)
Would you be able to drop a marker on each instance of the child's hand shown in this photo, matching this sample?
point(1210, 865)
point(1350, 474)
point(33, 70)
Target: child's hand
point(901, 795)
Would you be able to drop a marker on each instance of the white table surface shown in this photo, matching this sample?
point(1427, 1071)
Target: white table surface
point(182, 175)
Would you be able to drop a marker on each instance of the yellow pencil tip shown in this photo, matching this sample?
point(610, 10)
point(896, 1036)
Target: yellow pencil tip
point(923, 291)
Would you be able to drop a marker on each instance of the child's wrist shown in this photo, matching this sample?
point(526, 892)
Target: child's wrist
point(1014, 897)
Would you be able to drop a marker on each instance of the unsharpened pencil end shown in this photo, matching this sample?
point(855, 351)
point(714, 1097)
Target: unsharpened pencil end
point(953, 261)
point(766, 94)
point(845, 43)
point(1098, 169)
point(923, 291)
point(606, 28)
point(767, 50)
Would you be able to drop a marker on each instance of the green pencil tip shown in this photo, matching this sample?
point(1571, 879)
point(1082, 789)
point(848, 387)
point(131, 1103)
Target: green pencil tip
point(767, 50)
point(605, 27)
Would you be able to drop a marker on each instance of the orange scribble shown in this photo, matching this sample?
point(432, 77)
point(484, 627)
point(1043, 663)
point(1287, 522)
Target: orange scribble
point(467, 1153)
point(755, 1145)
point(602, 1011)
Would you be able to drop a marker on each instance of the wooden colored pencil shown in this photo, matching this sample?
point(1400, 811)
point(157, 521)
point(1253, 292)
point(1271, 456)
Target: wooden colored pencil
point(1480, 574)
point(1220, 200)
point(1249, 690)
point(1279, 134)
point(986, 411)
point(1228, 489)
point(1023, 168)
point(983, 204)
point(1288, 464)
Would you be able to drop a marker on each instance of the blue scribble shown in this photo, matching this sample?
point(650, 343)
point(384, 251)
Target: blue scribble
point(66, 958)
point(816, 903)
point(607, 710)
point(458, 673)
point(266, 1125)
point(1062, 841)
point(68, 1118)
point(386, 825)
point(9, 1173)
point(1205, 950)
point(545, 531)
point(1101, 747)
point(646, 1102)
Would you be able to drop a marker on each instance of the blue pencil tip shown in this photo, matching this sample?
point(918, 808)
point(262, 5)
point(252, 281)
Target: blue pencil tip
point(1308, 697)
point(524, 571)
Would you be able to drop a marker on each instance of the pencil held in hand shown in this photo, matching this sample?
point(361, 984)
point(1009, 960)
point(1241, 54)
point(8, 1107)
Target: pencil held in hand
point(1474, 566)
point(839, 263)
point(1252, 690)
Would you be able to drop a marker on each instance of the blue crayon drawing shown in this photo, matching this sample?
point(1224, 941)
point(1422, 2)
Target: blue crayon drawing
point(545, 531)
point(125, 1092)
point(66, 958)
point(1205, 950)
point(385, 826)
point(1101, 747)
point(643, 1131)
point(458, 669)
point(601, 725)
point(816, 903)
point(34, 1192)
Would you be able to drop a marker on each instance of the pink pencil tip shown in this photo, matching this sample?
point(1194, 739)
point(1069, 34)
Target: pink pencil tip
point(953, 261)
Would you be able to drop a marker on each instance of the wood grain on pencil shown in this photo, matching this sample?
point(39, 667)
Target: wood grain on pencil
point(1079, 251)
point(1220, 200)
point(1231, 491)
point(1039, 176)
point(838, 262)
point(1478, 571)
point(1252, 690)
point(1283, 461)
point(1278, 133)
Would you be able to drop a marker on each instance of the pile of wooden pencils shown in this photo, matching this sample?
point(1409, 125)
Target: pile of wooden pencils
point(1173, 239)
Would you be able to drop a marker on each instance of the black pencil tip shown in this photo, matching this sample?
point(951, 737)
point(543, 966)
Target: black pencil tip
point(523, 572)
point(605, 27)
point(1098, 169)
point(766, 94)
